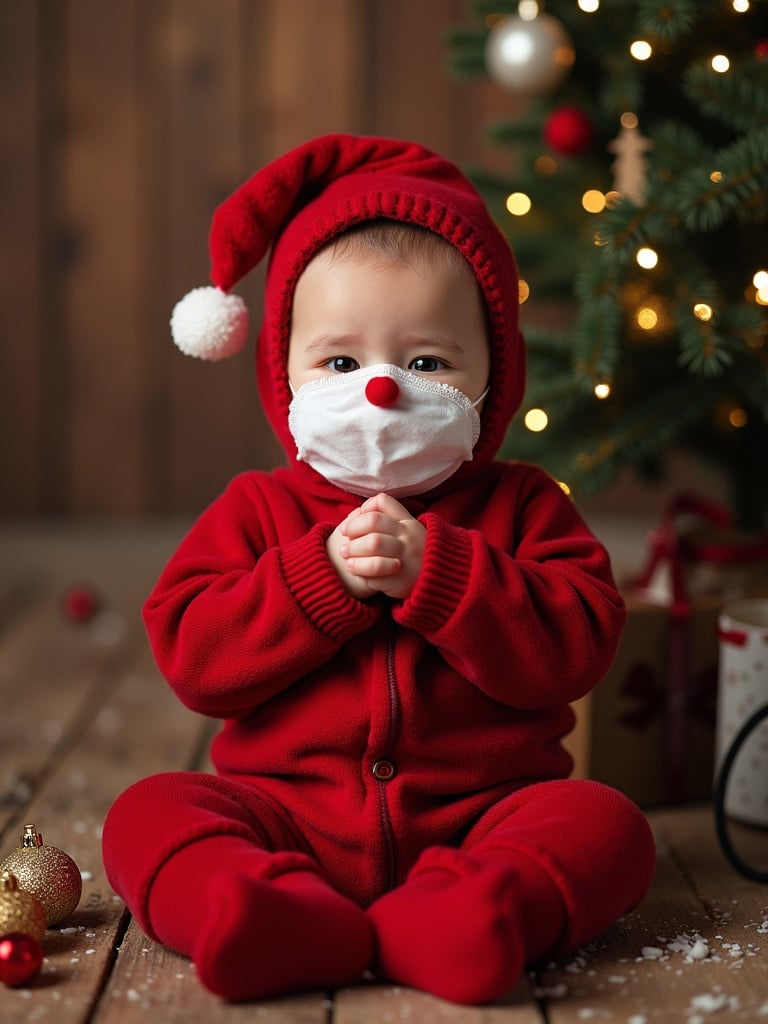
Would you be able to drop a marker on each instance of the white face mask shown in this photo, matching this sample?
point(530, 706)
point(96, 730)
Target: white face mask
point(402, 435)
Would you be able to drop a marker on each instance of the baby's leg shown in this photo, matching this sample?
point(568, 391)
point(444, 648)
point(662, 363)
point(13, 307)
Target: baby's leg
point(545, 870)
point(216, 873)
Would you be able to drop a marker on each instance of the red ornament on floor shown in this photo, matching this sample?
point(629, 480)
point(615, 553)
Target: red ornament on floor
point(80, 603)
point(20, 958)
point(569, 131)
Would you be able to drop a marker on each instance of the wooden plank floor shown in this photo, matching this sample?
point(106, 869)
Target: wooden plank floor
point(83, 713)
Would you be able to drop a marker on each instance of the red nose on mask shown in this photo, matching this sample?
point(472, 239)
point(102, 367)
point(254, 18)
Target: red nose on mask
point(382, 391)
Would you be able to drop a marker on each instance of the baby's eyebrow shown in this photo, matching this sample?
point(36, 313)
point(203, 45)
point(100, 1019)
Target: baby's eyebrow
point(436, 341)
point(330, 342)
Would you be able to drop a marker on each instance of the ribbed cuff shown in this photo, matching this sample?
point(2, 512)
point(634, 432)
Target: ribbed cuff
point(312, 580)
point(443, 579)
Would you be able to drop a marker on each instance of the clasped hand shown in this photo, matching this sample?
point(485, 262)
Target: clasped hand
point(378, 549)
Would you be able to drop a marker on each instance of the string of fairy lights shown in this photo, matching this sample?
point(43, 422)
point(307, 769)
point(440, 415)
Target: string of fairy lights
point(517, 52)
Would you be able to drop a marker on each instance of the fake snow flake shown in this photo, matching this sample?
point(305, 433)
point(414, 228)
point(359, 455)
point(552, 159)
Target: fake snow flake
point(551, 991)
point(711, 1002)
point(693, 947)
point(651, 953)
point(698, 951)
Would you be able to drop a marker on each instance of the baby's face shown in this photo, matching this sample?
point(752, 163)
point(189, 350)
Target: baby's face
point(350, 312)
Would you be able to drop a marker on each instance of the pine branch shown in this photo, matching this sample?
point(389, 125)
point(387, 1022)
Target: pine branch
point(666, 21)
point(676, 148)
point(515, 133)
point(559, 394)
point(545, 339)
point(738, 100)
point(485, 9)
point(625, 228)
point(703, 347)
point(599, 327)
point(647, 429)
point(467, 54)
point(738, 186)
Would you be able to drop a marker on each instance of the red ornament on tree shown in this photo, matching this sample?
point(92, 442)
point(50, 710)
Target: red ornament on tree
point(761, 50)
point(569, 131)
point(21, 956)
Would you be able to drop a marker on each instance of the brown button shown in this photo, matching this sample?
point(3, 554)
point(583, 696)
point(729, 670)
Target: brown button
point(383, 771)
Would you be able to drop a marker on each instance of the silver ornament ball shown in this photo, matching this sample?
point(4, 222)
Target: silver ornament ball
point(528, 57)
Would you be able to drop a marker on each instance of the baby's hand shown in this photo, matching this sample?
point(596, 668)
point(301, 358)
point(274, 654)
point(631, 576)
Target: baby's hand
point(383, 547)
point(356, 586)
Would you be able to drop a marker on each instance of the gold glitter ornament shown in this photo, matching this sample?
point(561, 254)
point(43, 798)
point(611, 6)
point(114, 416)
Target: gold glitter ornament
point(19, 911)
point(48, 873)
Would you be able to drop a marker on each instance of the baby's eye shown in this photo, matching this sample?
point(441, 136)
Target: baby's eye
point(426, 364)
point(343, 364)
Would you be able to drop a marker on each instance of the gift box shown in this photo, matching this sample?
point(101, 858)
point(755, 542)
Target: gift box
point(634, 731)
point(649, 727)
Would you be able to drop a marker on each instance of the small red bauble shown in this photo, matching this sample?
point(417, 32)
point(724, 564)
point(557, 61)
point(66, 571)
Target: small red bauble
point(761, 50)
point(80, 604)
point(20, 958)
point(569, 131)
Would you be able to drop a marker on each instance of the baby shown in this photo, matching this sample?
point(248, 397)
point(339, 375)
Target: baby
point(392, 627)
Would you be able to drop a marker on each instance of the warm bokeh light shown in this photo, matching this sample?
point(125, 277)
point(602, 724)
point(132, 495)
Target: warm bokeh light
point(528, 10)
point(647, 318)
point(523, 291)
point(518, 204)
point(536, 420)
point(602, 390)
point(589, 6)
point(702, 311)
point(760, 280)
point(593, 201)
point(628, 120)
point(545, 166)
point(716, 176)
point(720, 63)
point(647, 258)
point(741, 6)
point(738, 417)
point(641, 49)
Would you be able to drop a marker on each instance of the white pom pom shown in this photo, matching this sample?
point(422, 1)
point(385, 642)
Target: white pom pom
point(210, 324)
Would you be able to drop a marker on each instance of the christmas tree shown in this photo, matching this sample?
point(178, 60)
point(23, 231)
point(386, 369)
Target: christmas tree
point(637, 188)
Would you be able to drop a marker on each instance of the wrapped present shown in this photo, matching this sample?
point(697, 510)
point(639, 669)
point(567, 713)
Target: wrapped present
point(649, 727)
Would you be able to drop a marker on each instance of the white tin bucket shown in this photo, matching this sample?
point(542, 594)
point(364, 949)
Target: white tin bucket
point(742, 691)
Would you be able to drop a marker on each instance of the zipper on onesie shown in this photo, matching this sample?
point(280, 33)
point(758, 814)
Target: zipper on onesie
point(385, 769)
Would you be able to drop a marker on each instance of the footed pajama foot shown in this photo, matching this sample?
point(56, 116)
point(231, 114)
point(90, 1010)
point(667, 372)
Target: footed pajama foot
point(265, 937)
point(451, 929)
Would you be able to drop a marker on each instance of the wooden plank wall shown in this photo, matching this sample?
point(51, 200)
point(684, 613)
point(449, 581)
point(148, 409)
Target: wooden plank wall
point(122, 124)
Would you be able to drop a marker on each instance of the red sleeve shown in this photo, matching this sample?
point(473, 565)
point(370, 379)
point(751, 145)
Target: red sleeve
point(235, 619)
point(534, 623)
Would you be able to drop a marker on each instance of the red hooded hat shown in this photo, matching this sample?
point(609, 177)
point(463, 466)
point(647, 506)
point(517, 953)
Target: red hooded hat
point(295, 205)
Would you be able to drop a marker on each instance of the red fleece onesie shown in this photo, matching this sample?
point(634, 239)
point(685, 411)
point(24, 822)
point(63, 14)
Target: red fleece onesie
point(391, 790)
